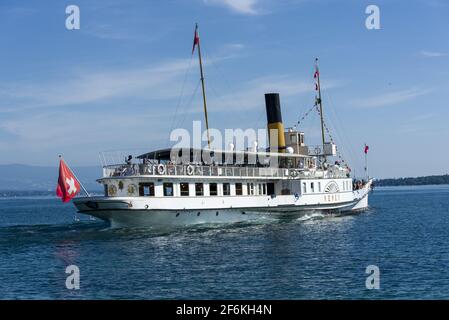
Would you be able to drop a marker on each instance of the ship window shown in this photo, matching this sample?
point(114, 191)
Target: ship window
point(184, 187)
point(319, 186)
point(146, 189)
point(238, 189)
point(226, 189)
point(312, 187)
point(304, 187)
point(270, 188)
point(213, 189)
point(199, 189)
point(264, 188)
point(168, 189)
point(260, 188)
point(250, 187)
point(106, 190)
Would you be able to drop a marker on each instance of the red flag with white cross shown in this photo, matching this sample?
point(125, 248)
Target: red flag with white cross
point(68, 186)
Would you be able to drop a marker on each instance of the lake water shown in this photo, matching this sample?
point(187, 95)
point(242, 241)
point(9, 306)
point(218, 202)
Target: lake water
point(405, 234)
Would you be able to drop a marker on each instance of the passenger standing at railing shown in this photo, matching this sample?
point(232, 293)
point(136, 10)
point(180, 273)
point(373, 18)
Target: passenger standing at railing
point(129, 160)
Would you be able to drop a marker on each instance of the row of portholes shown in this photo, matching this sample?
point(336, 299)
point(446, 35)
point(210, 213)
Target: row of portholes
point(199, 213)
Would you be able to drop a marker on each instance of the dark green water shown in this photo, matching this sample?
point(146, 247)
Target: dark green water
point(405, 234)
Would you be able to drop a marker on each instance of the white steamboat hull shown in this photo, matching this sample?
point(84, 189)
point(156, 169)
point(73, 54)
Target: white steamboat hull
point(139, 212)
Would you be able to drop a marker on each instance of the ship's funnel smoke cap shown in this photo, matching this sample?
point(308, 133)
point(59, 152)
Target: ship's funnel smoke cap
point(273, 107)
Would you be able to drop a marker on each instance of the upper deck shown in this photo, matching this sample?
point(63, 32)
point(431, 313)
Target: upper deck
point(222, 164)
point(195, 171)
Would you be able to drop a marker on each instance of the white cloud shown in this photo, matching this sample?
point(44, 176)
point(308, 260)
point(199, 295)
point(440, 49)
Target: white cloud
point(85, 86)
point(250, 95)
point(50, 128)
point(121, 107)
point(239, 6)
point(391, 98)
point(234, 47)
point(432, 54)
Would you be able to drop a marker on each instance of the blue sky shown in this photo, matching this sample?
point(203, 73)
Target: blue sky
point(127, 76)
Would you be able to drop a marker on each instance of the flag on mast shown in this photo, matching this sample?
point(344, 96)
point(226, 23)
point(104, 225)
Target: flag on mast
point(366, 148)
point(316, 75)
point(68, 186)
point(196, 38)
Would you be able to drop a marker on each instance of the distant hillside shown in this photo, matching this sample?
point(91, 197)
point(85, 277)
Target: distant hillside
point(18, 177)
point(418, 181)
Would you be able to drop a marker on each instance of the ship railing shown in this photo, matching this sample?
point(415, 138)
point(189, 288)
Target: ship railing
point(129, 170)
point(126, 170)
point(329, 149)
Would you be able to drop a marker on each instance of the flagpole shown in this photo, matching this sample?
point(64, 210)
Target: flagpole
point(366, 163)
point(202, 84)
point(317, 73)
point(84, 189)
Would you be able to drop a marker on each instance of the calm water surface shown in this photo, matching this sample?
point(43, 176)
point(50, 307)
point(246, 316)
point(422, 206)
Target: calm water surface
point(405, 233)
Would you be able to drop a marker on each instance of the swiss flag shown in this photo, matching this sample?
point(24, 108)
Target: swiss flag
point(366, 149)
point(68, 187)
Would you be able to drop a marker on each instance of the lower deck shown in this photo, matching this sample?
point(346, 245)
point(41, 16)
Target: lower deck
point(161, 213)
point(199, 188)
point(178, 210)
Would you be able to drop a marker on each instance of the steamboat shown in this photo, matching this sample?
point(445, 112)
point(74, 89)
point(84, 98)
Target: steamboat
point(182, 186)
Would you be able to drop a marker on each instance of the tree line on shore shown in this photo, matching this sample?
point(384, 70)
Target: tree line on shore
point(418, 181)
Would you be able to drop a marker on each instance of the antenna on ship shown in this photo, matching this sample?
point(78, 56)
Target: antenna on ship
point(196, 42)
point(318, 101)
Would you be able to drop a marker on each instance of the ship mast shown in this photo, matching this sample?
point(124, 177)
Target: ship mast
point(319, 102)
point(196, 42)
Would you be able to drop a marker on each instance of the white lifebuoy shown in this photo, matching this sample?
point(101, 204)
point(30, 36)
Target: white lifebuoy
point(161, 169)
point(293, 173)
point(190, 170)
point(317, 150)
